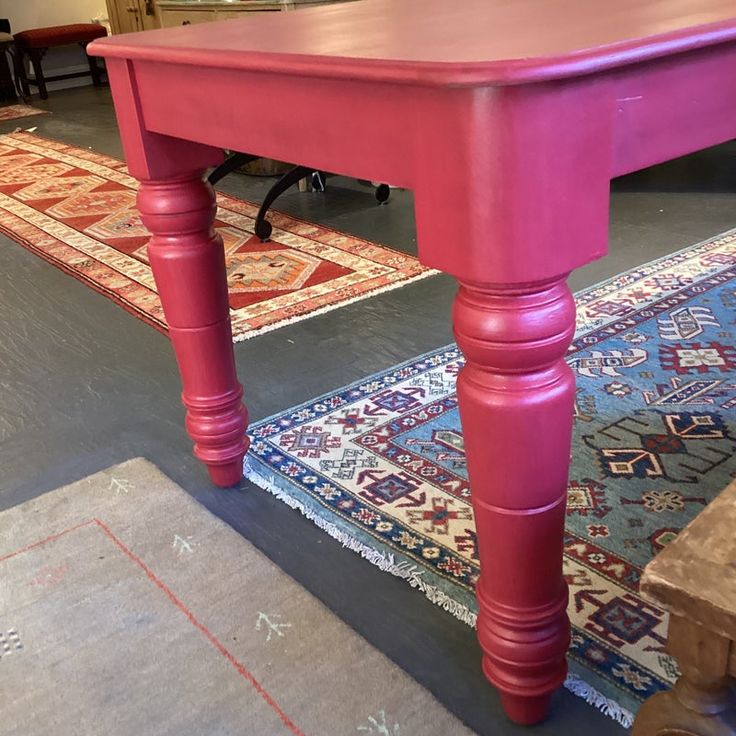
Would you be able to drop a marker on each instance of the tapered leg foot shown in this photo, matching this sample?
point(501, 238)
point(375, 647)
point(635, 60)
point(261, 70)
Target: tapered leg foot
point(516, 405)
point(226, 475)
point(188, 263)
point(524, 710)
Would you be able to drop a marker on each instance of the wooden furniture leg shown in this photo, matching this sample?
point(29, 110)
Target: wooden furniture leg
point(21, 84)
point(702, 702)
point(7, 85)
point(94, 67)
point(516, 405)
point(22, 72)
point(36, 55)
point(187, 257)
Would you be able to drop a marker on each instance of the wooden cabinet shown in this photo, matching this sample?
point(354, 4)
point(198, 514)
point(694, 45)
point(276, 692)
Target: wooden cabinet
point(184, 12)
point(127, 16)
point(229, 14)
point(183, 17)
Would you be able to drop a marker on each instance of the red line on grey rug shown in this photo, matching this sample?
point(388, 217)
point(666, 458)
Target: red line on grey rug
point(50, 538)
point(241, 669)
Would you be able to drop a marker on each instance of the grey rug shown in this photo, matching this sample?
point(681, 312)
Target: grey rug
point(128, 609)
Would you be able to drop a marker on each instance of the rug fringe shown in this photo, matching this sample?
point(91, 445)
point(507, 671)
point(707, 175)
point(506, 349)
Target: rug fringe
point(386, 562)
point(243, 336)
point(590, 695)
point(413, 575)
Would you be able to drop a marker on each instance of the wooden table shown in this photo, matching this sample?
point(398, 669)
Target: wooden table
point(694, 579)
point(508, 119)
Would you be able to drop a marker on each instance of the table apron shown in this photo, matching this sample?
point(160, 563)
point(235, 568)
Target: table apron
point(500, 174)
point(663, 110)
point(511, 183)
point(673, 107)
point(361, 129)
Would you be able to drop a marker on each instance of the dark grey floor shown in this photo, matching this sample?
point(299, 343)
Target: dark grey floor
point(84, 385)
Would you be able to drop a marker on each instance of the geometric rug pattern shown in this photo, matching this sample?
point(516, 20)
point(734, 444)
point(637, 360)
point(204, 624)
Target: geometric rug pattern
point(76, 209)
point(11, 112)
point(380, 464)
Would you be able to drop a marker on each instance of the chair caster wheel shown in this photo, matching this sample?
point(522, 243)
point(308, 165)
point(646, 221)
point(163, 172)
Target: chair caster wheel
point(263, 230)
point(383, 192)
point(318, 182)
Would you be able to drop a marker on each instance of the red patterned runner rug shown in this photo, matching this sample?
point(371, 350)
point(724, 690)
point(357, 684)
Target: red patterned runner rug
point(76, 209)
point(13, 112)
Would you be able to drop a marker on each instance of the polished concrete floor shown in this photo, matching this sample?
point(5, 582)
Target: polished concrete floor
point(84, 385)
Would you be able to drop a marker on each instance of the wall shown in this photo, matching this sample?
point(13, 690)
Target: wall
point(25, 14)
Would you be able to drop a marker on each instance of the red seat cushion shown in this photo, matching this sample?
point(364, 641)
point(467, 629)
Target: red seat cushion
point(44, 38)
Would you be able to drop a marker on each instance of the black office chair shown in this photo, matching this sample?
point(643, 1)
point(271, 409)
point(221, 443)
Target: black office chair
point(263, 227)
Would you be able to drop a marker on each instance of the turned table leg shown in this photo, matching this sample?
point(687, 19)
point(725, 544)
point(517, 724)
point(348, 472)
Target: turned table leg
point(188, 263)
point(516, 405)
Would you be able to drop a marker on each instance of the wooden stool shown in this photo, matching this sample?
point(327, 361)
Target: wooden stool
point(38, 41)
point(694, 578)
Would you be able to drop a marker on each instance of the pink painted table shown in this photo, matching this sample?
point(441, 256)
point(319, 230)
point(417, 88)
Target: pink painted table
point(508, 119)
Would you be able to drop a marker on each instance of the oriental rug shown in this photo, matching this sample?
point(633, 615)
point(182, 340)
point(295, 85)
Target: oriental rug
point(112, 622)
point(76, 208)
point(380, 464)
point(12, 112)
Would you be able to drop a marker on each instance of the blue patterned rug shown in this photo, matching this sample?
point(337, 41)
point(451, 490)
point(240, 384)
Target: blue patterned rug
point(380, 464)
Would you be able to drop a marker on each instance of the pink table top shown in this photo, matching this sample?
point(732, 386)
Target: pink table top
point(442, 42)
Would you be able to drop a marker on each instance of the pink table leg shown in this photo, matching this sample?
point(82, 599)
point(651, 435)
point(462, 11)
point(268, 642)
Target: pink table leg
point(524, 202)
point(516, 404)
point(187, 258)
point(188, 263)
